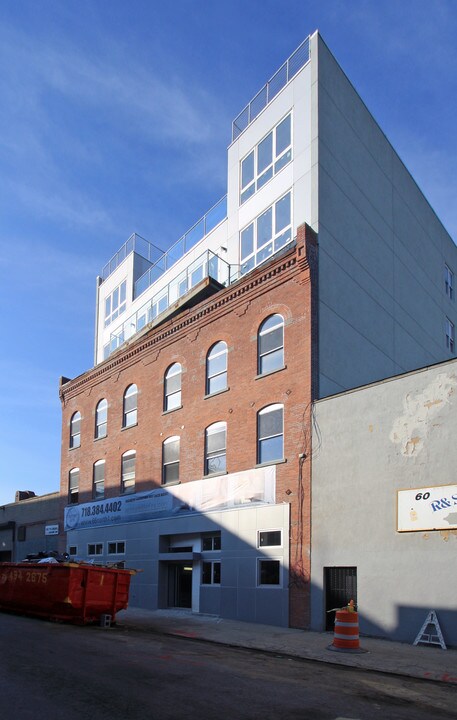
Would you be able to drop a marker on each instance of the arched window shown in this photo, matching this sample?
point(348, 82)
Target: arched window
point(170, 459)
point(130, 406)
point(128, 472)
point(271, 345)
point(73, 486)
point(216, 448)
point(75, 430)
point(216, 368)
point(270, 434)
point(101, 419)
point(172, 387)
point(98, 480)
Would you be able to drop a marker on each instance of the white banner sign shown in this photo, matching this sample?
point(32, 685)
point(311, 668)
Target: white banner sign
point(432, 508)
point(201, 496)
point(51, 530)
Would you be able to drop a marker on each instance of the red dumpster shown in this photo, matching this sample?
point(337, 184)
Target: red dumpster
point(74, 592)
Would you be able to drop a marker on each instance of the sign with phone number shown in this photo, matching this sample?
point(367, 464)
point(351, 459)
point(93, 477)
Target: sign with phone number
point(431, 508)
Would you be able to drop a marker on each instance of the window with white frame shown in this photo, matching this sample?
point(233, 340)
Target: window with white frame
point(170, 460)
point(101, 419)
point(116, 548)
point(75, 430)
point(268, 572)
point(128, 461)
point(115, 303)
point(98, 480)
point(271, 345)
point(269, 538)
point(216, 368)
point(266, 235)
point(266, 159)
point(449, 282)
point(215, 448)
point(95, 549)
point(72, 550)
point(211, 572)
point(129, 417)
point(73, 486)
point(172, 387)
point(211, 543)
point(450, 335)
point(270, 434)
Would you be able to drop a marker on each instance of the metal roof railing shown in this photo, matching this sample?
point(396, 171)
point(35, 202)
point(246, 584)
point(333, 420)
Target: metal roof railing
point(286, 72)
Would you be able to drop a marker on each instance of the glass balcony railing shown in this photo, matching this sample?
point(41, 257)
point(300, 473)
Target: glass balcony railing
point(137, 244)
point(207, 265)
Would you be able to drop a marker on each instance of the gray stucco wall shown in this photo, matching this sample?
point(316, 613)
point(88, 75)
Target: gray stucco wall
point(367, 445)
point(382, 249)
point(32, 515)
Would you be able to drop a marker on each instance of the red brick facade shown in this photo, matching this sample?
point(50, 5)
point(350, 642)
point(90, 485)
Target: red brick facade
point(233, 315)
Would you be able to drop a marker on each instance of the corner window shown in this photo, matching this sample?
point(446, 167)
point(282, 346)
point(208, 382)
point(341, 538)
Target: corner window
point(269, 538)
point(266, 159)
point(75, 430)
point(211, 573)
point(116, 548)
point(172, 387)
point(115, 303)
point(130, 406)
point(98, 480)
point(268, 572)
point(215, 448)
point(95, 549)
point(101, 419)
point(216, 368)
point(170, 460)
point(270, 434)
point(269, 232)
point(271, 345)
point(73, 486)
point(128, 461)
point(450, 335)
point(449, 282)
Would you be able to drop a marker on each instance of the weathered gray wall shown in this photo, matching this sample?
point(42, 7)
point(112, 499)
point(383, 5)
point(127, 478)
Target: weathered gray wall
point(33, 514)
point(367, 444)
point(382, 252)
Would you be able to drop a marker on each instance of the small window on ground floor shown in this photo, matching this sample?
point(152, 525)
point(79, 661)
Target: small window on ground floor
point(269, 572)
point(116, 548)
point(95, 549)
point(269, 538)
point(72, 550)
point(211, 573)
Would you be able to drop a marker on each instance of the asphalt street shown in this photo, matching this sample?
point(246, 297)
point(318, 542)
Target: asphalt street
point(52, 671)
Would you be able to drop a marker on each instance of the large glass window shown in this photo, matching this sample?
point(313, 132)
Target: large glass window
point(172, 387)
point(98, 480)
point(215, 448)
point(130, 406)
point(101, 419)
point(128, 472)
point(267, 234)
point(75, 430)
point(73, 486)
point(266, 159)
point(271, 344)
point(270, 434)
point(170, 460)
point(216, 368)
point(115, 303)
point(449, 282)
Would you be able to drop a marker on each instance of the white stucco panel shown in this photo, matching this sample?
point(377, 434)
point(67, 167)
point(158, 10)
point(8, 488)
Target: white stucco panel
point(410, 429)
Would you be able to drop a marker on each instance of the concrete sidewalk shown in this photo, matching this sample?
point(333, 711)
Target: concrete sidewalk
point(422, 661)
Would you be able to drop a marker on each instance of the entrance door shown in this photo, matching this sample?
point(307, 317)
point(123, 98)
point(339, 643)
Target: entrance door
point(340, 588)
point(180, 584)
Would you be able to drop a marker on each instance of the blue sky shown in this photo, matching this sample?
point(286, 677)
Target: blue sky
point(115, 117)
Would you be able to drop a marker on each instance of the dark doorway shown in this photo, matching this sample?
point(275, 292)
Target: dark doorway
point(340, 588)
point(180, 584)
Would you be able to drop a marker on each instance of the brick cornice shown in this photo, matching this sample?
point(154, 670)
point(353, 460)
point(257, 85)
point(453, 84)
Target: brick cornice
point(235, 297)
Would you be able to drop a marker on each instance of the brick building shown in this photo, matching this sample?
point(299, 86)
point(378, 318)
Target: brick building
point(186, 449)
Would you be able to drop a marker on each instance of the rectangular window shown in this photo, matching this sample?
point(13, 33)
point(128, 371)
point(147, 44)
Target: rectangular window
point(211, 573)
point(128, 472)
point(267, 234)
point(211, 542)
point(72, 550)
point(215, 448)
point(270, 434)
point(450, 335)
point(266, 159)
point(95, 549)
point(170, 460)
point(269, 538)
point(73, 486)
point(449, 282)
point(98, 482)
point(269, 572)
point(21, 533)
point(115, 303)
point(116, 548)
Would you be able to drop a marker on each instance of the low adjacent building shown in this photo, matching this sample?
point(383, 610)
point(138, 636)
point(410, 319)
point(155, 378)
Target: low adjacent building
point(30, 525)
